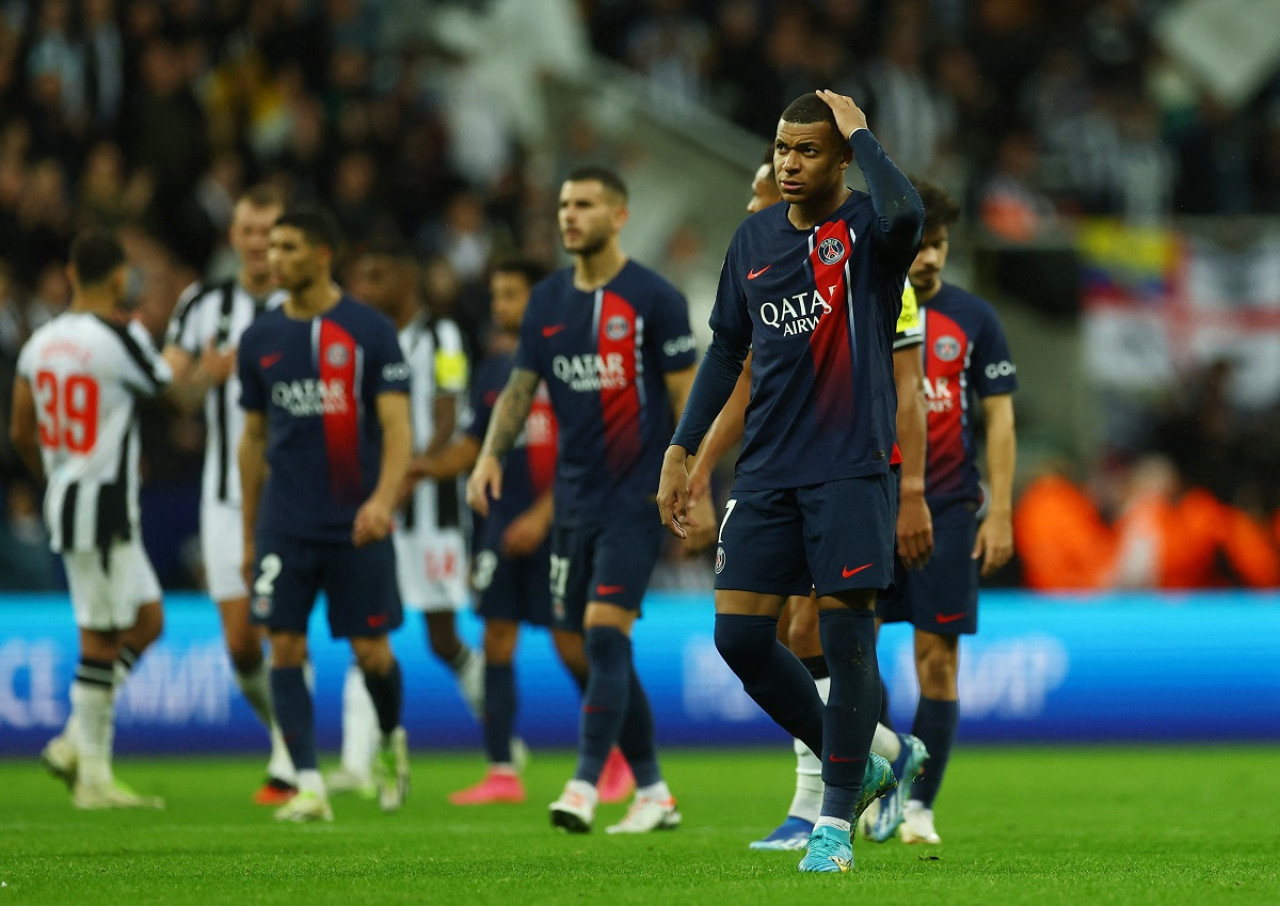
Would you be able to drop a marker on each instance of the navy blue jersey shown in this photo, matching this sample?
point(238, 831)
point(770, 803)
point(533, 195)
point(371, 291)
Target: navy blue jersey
point(530, 466)
point(318, 381)
point(818, 308)
point(965, 357)
point(604, 355)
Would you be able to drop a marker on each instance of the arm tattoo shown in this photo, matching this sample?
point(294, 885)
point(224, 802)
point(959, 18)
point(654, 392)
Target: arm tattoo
point(510, 413)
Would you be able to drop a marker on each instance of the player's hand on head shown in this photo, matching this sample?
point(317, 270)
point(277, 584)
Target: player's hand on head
point(700, 524)
point(673, 491)
point(372, 523)
point(217, 363)
point(849, 115)
point(485, 483)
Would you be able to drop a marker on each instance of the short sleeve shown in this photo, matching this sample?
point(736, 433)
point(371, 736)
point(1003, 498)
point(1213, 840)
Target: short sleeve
point(484, 396)
point(669, 327)
point(26, 361)
point(183, 326)
point(528, 353)
point(910, 328)
point(143, 371)
point(451, 367)
point(253, 394)
point(385, 366)
point(992, 370)
point(730, 319)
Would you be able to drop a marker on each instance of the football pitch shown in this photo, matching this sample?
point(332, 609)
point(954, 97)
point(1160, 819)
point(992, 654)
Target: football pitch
point(1020, 825)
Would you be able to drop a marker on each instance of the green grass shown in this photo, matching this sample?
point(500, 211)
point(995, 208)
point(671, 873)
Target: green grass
point(1022, 826)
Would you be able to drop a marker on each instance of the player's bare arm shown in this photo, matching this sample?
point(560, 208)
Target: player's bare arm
point(995, 536)
point(458, 458)
point(194, 377)
point(252, 456)
point(22, 427)
point(526, 532)
point(915, 525)
point(373, 520)
point(505, 425)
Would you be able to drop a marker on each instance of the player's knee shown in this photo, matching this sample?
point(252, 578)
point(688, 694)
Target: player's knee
point(500, 641)
point(744, 641)
point(936, 669)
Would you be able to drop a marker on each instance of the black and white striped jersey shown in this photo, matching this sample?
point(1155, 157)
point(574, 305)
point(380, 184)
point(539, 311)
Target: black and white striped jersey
point(437, 359)
point(219, 313)
point(86, 374)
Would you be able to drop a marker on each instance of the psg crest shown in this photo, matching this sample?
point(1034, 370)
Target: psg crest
point(617, 328)
point(719, 560)
point(262, 606)
point(830, 250)
point(336, 355)
point(946, 348)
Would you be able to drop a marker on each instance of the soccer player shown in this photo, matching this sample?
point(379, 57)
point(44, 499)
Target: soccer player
point(611, 339)
point(966, 358)
point(201, 349)
point(798, 622)
point(431, 553)
point(74, 422)
point(324, 387)
point(511, 574)
point(813, 288)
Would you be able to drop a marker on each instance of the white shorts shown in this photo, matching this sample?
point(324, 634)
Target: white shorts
point(222, 546)
point(109, 599)
point(431, 569)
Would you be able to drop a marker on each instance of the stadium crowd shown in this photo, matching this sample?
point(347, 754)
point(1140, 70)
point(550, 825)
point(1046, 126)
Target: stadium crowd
point(151, 117)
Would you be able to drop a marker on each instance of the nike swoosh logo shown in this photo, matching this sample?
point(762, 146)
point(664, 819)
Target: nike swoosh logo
point(751, 275)
point(377, 620)
point(842, 864)
point(836, 759)
point(552, 330)
point(951, 617)
point(846, 572)
point(268, 360)
point(610, 589)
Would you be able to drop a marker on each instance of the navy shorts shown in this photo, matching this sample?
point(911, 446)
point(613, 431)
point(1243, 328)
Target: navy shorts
point(831, 537)
point(943, 596)
point(609, 563)
point(359, 584)
point(513, 588)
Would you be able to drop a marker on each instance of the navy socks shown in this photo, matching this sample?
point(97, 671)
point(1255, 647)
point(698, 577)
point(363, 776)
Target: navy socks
point(935, 724)
point(499, 711)
point(853, 706)
point(387, 693)
point(774, 677)
point(295, 713)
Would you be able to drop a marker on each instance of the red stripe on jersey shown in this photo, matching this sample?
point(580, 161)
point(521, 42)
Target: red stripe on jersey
point(540, 447)
point(337, 364)
point(619, 382)
point(830, 343)
point(946, 352)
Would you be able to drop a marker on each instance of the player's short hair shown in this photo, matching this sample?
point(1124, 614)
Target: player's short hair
point(809, 108)
point(263, 195)
point(316, 224)
point(95, 255)
point(531, 270)
point(940, 209)
point(611, 181)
